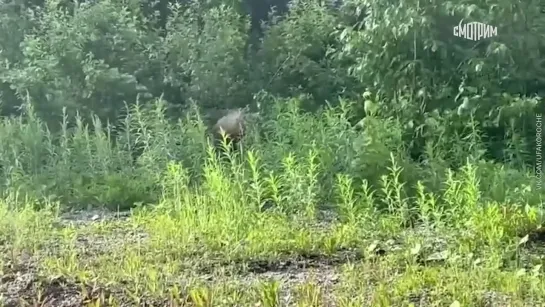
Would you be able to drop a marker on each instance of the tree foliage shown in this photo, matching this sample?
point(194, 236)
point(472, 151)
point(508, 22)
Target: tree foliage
point(399, 59)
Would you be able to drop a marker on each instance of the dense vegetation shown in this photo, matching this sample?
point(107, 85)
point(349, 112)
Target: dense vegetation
point(391, 163)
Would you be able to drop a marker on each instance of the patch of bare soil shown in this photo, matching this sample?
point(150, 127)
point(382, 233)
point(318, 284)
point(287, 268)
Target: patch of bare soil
point(22, 285)
point(291, 274)
point(27, 288)
point(85, 217)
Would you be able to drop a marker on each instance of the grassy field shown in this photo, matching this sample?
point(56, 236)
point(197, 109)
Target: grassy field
point(278, 225)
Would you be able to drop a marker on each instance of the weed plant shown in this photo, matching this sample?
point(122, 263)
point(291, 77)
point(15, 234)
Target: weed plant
point(342, 212)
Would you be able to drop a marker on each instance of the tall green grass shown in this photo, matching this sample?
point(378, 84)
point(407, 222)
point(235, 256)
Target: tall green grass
point(290, 157)
point(303, 185)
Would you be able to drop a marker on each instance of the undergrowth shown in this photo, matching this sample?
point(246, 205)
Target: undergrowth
point(341, 210)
